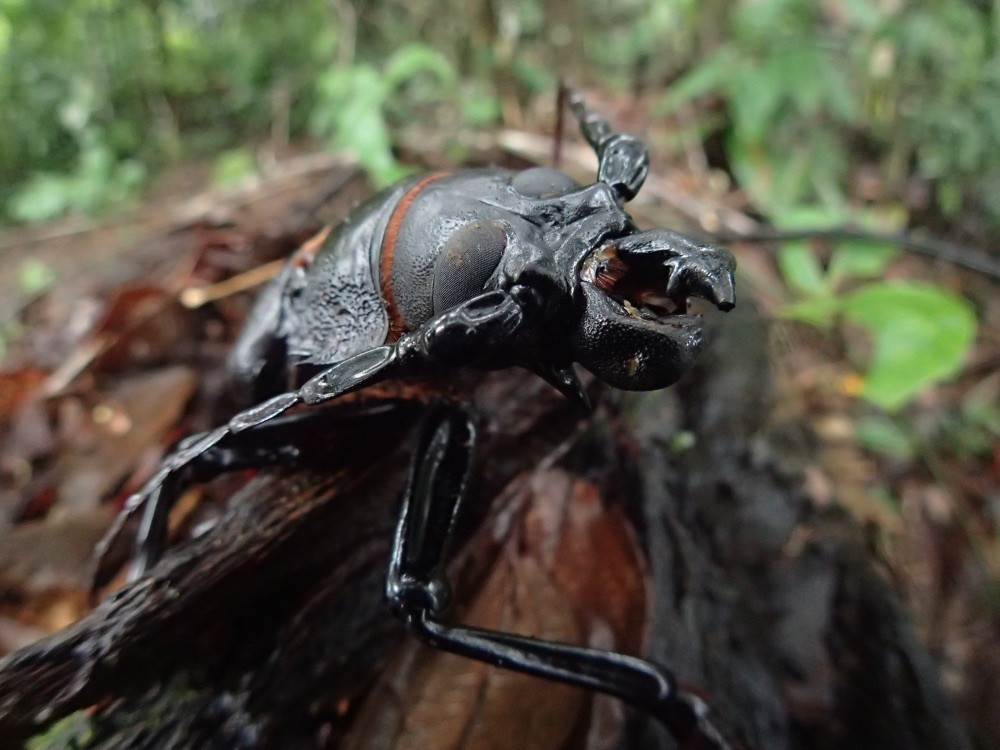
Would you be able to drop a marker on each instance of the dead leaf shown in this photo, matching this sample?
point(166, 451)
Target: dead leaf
point(38, 556)
point(597, 561)
point(16, 387)
point(134, 418)
point(142, 326)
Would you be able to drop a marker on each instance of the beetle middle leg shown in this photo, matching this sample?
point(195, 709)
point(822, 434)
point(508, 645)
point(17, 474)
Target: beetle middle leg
point(418, 591)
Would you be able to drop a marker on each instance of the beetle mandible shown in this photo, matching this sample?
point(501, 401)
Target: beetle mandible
point(485, 269)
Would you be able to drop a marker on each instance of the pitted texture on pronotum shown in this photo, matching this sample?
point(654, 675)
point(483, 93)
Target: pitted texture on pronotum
point(631, 352)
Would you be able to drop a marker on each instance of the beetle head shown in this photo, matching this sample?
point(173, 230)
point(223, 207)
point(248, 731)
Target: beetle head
point(632, 328)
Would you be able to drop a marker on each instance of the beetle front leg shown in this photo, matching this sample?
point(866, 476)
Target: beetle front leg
point(417, 590)
point(478, 332)
point(623, 159)
point(302, 438)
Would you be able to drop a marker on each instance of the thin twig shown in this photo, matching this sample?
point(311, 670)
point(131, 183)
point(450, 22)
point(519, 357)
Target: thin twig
point(195, 296)
point(562, 96)
point(931, 247)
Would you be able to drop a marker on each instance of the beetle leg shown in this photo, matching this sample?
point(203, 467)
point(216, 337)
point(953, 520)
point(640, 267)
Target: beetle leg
point(623, 160)
point(479, 331)
point(418, 590)
point(440, 469)
point(301, 438)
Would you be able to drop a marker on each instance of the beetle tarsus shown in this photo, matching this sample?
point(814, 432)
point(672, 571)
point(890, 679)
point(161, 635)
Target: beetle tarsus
point(623, 159)
point(306, 437)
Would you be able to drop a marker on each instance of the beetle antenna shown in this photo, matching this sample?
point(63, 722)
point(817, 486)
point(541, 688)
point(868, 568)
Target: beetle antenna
point(562, 98)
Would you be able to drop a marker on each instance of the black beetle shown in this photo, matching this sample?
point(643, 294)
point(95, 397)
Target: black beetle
point(486, 269)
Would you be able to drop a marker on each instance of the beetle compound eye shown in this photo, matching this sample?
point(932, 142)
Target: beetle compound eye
point(466, 262)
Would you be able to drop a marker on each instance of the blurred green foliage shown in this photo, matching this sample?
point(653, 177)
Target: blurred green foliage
point(352, 105)
point(807, 93)
point(813, 89)
point(98, 95)
point(70, 733)
point(920, 333)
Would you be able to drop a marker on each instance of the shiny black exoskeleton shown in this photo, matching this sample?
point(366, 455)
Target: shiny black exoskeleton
point(482, 269)
point(545, 272)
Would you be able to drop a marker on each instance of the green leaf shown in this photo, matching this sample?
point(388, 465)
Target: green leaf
point(45, 197)
point(755, 95)
point(72, 732)
point(921, 334)
point(533, 78)
point(683, 440)
point(750, 168)
point(818, 311)
point(865, 14)
point(233, 166)
point(801, 269)
point(949, 197)
point(480, 108)
point(755, 172)
point(841, 100)
point(709, 76)
point(351, 114)
point(814, 216)
point(5, 33)
point(882, 435)
point(34, 276)
point(859, 259)
point(367, 137)
point(413, 59)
